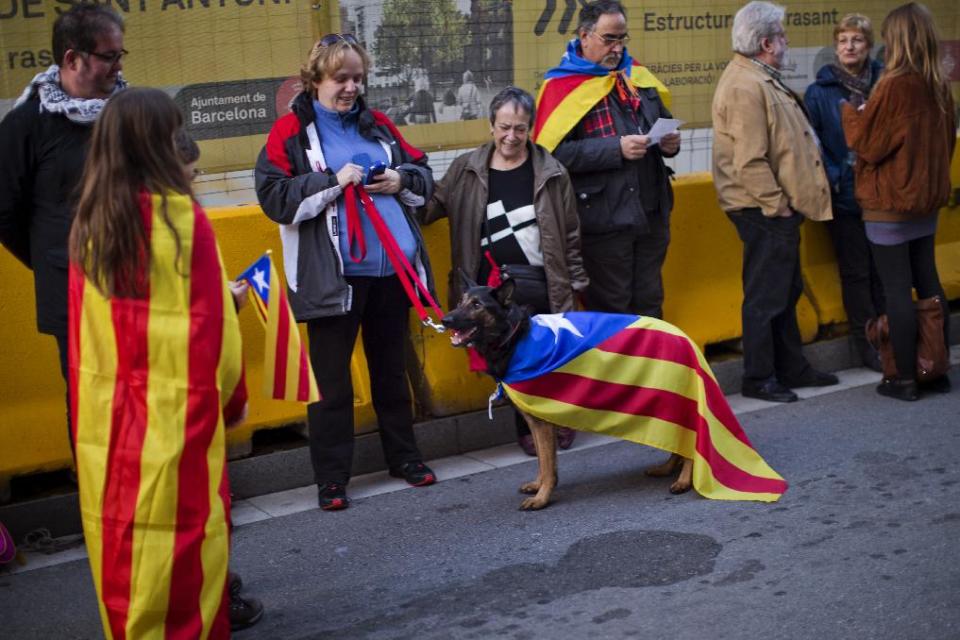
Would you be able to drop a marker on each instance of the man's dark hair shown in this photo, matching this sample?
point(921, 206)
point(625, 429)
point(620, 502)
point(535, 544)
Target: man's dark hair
point(187, 149)
point(591, 12)
point(79, 27)
point(520, 99)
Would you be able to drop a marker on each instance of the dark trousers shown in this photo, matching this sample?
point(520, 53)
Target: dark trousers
point(624, 269)
point(771, 288)
point(63, 350)
point(381, 309)
point(859, 280)
point(902, 268)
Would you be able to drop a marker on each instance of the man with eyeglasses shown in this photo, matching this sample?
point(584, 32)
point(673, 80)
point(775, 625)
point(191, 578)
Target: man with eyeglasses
point(595, 109)
point(43, 145)
point(768, 177)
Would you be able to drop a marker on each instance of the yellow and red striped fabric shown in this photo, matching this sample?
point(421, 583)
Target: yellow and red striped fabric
point(638, 379)
point(151, 379)
point(286, 369)
point(563, 101)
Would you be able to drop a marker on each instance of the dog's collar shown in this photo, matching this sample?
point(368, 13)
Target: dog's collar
point(509, 337)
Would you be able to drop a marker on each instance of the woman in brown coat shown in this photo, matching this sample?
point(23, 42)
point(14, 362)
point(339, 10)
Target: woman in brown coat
point(510, 202)
point(904, 137)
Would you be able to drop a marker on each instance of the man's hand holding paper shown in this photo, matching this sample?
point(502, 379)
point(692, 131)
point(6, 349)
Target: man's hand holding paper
point(664, 132)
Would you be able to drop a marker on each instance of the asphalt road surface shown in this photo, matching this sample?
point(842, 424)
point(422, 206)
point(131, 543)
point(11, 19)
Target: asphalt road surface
point(863, 545)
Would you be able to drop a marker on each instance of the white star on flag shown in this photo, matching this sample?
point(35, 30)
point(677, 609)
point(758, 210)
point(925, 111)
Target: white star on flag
point(555, 322)
point(260, 282)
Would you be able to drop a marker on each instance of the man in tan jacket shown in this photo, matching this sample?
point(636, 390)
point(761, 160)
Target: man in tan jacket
point(768, 175)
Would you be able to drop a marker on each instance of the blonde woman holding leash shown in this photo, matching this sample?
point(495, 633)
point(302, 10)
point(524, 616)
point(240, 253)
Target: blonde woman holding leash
point(340, 275)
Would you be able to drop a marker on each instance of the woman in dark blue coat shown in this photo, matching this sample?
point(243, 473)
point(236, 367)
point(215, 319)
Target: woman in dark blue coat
point(850, 79)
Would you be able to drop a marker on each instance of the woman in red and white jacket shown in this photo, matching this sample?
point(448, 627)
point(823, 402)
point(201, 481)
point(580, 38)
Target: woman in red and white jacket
point(338, 274)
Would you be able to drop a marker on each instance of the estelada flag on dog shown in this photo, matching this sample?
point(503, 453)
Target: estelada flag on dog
point(643, 380)
point(286, 369)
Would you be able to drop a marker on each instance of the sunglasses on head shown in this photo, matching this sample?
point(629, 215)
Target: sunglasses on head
point(333, 38)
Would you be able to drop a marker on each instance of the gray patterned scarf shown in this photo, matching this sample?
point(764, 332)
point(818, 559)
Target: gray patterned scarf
point(53, 99)
point(858, 85)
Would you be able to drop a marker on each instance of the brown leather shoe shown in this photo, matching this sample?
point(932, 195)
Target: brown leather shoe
point(565, 437)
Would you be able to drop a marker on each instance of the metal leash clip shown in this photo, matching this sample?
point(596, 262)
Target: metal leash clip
point(428, 322)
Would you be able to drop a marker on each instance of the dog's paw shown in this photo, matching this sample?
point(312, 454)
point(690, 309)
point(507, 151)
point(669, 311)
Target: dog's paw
point(679, 487)
point(534, 504)
point(530, 487)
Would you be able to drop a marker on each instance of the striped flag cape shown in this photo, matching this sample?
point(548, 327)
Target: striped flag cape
point(153, 380)
point(572, 88)
point(286, 369)
point(643, 380)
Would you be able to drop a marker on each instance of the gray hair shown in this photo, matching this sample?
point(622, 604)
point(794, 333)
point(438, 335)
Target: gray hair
point(520, 99)
point(754, 22)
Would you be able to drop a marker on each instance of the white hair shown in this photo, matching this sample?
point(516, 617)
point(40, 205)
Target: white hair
point(754, 22)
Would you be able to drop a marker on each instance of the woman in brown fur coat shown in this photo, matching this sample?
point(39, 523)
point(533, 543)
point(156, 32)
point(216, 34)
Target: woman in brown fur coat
point(904, 138)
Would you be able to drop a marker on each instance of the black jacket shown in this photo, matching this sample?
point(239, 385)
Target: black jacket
point(41, 161)
point(607, 185)
point(298, 191)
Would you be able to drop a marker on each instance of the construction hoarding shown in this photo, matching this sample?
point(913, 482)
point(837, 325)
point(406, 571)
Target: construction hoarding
point(232, 65)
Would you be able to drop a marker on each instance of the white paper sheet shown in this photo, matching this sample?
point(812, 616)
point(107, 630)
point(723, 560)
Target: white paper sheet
point(662, 127)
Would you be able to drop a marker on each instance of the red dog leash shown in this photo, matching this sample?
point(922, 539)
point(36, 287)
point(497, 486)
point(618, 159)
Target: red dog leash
point(405, 272)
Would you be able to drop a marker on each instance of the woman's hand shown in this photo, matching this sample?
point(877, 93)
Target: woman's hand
point(387, 182)
point(349, 174)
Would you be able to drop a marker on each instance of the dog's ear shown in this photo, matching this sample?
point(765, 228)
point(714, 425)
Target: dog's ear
point(505, 292)
point(467, 282)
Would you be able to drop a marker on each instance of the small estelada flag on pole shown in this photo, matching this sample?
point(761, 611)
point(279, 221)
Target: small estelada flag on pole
point(286, 369)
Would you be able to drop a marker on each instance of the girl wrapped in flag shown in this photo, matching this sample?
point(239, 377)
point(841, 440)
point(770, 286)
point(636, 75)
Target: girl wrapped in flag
point(155, 377)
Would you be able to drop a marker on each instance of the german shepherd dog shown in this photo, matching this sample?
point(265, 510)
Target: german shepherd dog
point(488, 320)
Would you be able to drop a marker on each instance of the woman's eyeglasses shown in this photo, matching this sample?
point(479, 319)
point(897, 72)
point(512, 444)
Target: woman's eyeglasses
point(333, 38)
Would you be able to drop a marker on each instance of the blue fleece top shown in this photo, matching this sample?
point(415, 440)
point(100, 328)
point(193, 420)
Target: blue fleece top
point(340, 141)
point(822, 101)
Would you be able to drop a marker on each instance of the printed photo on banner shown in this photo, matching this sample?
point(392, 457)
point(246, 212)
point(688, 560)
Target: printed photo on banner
point(438, 61)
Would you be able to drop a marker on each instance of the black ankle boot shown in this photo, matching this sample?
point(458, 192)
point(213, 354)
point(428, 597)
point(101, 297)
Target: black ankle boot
point(937, 385)
point(899, 389)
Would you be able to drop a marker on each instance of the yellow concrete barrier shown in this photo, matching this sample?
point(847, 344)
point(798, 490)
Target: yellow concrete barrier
point(33, 409)
point(819, 262)
point(243, 234)
point(449, 386)
point(948, 235)
point(821, 280)
point(702, 275)
point(702, 280)
point(33, 430)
